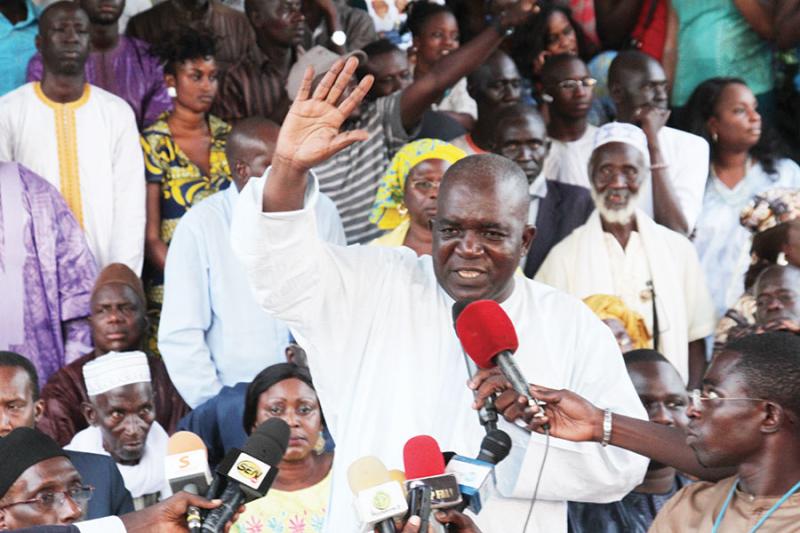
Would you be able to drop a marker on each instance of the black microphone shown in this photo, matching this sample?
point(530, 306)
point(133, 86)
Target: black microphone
point(249, 472)
point(487, 414)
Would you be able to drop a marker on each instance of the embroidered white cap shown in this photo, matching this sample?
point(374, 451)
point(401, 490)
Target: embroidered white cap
point(115, 369)
point(621, 132)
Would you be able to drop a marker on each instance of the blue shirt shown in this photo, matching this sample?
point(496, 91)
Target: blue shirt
point(213, 332)
point(723, 244)
point(17, 46)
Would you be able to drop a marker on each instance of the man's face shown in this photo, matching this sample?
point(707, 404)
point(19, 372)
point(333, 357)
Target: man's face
point(42, 481)
point(616, 174)
point(63, 40)
point(724, 433)
point(500, 86)
point(391, 73)
point(478, 240)
point(646, 87)
point(17, 408)
point(567, 86)
point(281, 20)
point(124, 416)
point(524, 140)
point(662, 392)
point(117, 319)
point(776, 296)
point(103, 12)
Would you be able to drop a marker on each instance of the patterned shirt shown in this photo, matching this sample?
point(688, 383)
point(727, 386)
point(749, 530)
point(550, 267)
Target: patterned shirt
point(351, 176)
point(183, 184)
point(253, 87)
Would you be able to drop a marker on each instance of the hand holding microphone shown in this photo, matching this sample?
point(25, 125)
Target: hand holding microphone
point(488, 337)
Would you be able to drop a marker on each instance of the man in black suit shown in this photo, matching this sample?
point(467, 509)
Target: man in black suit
point(556, 208)
point(20, 406)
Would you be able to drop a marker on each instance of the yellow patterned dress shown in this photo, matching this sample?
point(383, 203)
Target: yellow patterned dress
point(183, 185)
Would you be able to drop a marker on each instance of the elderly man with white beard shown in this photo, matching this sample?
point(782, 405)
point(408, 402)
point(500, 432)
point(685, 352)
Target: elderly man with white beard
point(622, 251)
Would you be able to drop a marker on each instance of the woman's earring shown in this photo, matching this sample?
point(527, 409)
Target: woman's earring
point(714, 137)
point(402, 210)
point(319, 446)
point(171, 92)
point(547, 98)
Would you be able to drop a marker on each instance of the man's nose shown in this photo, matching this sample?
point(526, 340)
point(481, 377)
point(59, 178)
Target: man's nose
point(661, 415)
point(69, 511)
point(5, 423)
point(470, 244)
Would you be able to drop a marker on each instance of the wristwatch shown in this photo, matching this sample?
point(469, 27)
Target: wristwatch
point(339, 38)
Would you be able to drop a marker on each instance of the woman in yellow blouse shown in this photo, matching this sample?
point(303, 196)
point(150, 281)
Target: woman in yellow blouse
point(184, 151)
point(407, 194)
point(298, 499)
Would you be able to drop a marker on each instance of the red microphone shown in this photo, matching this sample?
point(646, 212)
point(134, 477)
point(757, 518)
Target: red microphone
point(428, 486)
point(489, 338)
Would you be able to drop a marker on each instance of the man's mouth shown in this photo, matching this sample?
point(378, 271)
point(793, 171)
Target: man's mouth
point(469, 273)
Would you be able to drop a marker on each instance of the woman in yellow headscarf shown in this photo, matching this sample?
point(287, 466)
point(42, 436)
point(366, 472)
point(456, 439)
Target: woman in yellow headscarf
point(627, 325)
point(406, 199)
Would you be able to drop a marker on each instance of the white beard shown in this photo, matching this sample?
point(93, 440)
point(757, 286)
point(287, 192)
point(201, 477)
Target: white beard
point(615, 216)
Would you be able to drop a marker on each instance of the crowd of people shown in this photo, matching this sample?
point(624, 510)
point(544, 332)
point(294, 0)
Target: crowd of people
point(214, 213)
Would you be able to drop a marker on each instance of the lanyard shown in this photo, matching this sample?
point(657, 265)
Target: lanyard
point(774, 508)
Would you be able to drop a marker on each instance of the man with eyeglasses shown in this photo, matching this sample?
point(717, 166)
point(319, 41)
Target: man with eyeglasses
point(567, 93)
point(673, 194)
point(622, 251)
point(744, 431)
point(38, 483)
point(555, 208)
point(494, 85)
point(20, 406)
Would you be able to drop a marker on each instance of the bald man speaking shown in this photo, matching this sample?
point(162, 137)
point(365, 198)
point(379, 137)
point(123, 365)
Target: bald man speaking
point(377, 326)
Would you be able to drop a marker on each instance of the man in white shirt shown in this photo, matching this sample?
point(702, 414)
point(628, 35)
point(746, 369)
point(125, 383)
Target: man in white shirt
point(377, 322)
point(81, 139)
point(673, 193)
point(568, 90)
point(621, 251)
point(213, 332)
point(121, 417)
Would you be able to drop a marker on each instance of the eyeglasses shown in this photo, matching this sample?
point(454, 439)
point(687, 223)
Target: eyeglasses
point(697, 397)
point(50, 499)
point(425, 186)
point(572, 85)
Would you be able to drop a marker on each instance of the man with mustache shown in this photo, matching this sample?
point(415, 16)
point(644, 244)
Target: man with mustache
point(673, 195)
point(121, 417)
point(622, 251)
point(81, 139)
point(119, 64)
point(118, 324)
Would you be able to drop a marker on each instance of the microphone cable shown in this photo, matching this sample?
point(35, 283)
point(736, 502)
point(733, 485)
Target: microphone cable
point(538, 478)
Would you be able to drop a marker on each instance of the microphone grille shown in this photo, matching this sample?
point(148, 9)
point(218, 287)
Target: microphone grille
point(422, 457)
point(367, 472)
point(495, 446)
point(269, 441)
point(485, 330)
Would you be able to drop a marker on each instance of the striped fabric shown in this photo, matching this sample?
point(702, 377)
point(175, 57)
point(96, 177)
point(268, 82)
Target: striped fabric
point(351, 177)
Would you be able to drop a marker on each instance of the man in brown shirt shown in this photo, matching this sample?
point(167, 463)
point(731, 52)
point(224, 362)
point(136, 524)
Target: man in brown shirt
point(745, 421)
point(255, 86)
point(234, 37)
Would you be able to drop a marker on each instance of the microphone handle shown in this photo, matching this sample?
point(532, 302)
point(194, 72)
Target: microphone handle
point(386, 526)
point(487, 414)
point(512, 373)
point(193, 517)
point(232, 498)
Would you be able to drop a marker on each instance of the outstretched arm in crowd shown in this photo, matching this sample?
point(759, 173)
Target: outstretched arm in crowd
point(419, 96)
point(787, 23)
point(758, 15)
point(573, 418)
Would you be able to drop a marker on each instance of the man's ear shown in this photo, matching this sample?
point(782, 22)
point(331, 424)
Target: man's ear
point(38, 410)
point(89, 413)
point(3, 521)
point(774, 418)
point(38, 42)
point(616, 92)
point(547, 145)
point(528, 234)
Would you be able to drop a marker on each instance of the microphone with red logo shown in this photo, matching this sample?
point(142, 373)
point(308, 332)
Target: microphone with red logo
point(489, 338)
point(186, 466)
point(250, 472)
point(427, 484)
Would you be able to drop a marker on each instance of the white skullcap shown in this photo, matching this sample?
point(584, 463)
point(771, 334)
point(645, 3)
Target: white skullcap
point(621, 132)
point(115, 369)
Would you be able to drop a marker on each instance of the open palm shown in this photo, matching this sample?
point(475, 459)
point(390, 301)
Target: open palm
point(310, 134)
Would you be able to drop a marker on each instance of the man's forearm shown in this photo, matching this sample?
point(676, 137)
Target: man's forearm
point(666, 209)
point(758, 15)
point(285, 189)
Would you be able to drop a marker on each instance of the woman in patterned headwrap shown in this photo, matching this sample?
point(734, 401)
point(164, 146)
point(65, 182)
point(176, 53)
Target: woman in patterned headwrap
point(406, 199)
point(627, 325)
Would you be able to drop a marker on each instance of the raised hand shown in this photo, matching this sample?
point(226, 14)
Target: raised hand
point(570, 416)
point(514, 12)
point(310, 132)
